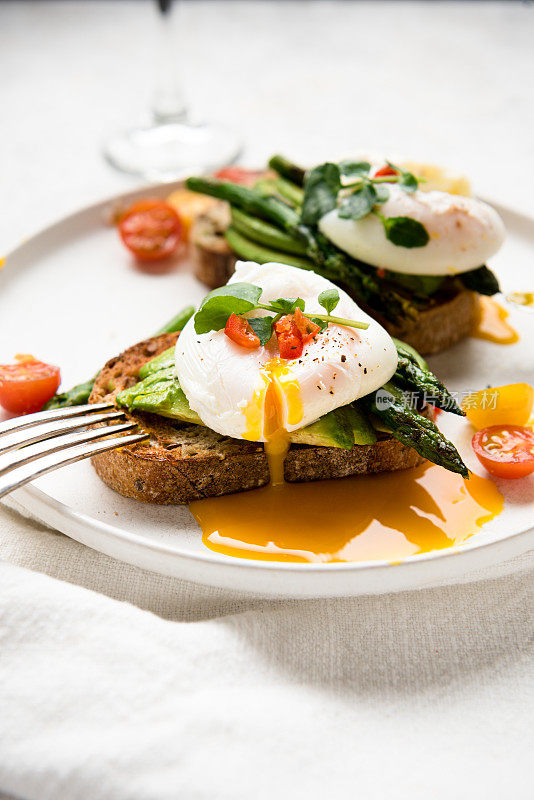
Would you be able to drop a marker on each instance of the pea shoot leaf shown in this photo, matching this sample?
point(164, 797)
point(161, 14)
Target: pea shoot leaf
point(359, 203)
point(408, 182)
point(382, 192)
point(354, 169)
point(405, 231)
point(321, 187)
point(407, 179)
point(262, 327)
point(287, 305)
point(234, 298)
point(329, 299)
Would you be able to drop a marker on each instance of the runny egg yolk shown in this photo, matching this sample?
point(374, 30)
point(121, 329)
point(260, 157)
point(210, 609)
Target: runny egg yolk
point(491, 323)
point(265, 414)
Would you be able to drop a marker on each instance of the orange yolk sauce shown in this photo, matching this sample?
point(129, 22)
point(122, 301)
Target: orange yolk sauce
point(525, 299)
point(491, 323)
point(387, 516)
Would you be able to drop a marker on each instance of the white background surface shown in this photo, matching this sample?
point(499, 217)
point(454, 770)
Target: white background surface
point(417, 695)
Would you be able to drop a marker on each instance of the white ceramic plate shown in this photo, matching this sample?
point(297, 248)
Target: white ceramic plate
point(71, 295)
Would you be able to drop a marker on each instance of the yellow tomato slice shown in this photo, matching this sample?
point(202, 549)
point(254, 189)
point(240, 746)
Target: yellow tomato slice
point(189, 205)
point(500, 405)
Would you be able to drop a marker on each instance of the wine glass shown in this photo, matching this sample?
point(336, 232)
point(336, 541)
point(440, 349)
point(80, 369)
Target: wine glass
point(173, 145)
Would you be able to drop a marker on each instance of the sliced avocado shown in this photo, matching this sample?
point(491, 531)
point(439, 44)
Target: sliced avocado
point(378, 424)
point(163, 361)
point(159, 393)
point(332, 430)
point(362, 429)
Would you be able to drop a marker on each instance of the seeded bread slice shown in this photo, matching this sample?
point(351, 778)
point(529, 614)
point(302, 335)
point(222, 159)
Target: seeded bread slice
point(435, 329)
point(183, 462)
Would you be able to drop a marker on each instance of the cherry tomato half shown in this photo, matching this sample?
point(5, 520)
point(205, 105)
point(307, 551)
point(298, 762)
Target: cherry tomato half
point(290, 342)
point(239, 330)
point(307, 329)
point(385, 172)
point(506, 451)
point(25, 387)
point(238, 175)
point(151, 229)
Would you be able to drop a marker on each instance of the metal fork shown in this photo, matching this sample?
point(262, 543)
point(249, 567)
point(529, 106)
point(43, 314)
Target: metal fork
point(38, 443)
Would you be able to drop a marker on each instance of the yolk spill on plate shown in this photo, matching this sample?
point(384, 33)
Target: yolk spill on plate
point(388, 516)
point(492, 323)
point(525, 299)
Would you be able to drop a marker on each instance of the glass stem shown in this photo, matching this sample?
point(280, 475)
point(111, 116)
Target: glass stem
point(168, 99)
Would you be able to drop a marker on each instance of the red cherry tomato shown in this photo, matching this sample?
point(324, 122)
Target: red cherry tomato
point(239, 330)
point(290, 342)
point(506, 451)
point(247, 177)
point(385, 172)
point(307, 329)
point(25, 387)
point(151, 229)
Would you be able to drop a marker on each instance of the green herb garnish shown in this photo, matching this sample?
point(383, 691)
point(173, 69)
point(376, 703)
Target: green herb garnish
point(239, 298)
point(404, 231)
point(324, 191)
point(321, 187)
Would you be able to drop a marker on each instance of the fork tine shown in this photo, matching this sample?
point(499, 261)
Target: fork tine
point(25, 455)
point(27, 472)
point(41, 431)
point(29, 420)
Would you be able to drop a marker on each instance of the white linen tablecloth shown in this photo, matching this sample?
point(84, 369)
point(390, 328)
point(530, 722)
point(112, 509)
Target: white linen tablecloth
point(117, 683)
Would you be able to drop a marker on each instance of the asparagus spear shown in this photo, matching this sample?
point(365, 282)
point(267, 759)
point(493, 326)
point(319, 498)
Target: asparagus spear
point(288, 170)
point(413, 374)
point(327, 259)
point(282, 189)
point(79, 394)
point(252, 251)
point(248, 200)
point(265, 234)
point(412, 429)
point(481, 280)
point(293, 193)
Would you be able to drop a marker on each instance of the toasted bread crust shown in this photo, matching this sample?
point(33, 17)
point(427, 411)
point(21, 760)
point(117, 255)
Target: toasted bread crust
point(183, 462)
point(438, 327)
point(434, 330)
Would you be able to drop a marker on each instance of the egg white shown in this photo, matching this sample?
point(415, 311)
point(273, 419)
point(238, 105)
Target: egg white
point(340, 365)
point(464, 233)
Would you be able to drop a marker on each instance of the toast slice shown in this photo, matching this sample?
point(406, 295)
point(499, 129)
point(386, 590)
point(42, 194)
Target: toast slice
point(435, 329)
point(184, 462)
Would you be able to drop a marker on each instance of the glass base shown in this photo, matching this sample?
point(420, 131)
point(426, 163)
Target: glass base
point(172, 150)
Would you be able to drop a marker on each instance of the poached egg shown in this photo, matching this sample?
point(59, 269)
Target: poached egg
point(253, 394)
point(464, 232)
